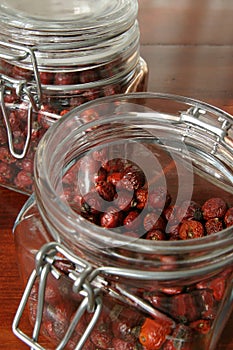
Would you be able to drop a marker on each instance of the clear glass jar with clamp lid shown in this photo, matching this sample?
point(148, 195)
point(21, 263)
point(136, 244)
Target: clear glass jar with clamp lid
point(55, 56)
point(127, 242)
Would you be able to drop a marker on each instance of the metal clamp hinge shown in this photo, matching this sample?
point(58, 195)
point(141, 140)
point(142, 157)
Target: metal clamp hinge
point(194, 118)
point(92, 297)
point(28, 92)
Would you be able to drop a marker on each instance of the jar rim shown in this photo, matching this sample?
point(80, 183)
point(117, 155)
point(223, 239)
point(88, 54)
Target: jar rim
point(60, 208)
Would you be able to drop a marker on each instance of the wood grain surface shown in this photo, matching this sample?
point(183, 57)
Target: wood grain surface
point(188, 46)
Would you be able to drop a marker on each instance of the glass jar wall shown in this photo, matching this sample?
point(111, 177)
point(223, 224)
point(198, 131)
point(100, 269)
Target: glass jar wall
point(131, 227)
point(54, 57)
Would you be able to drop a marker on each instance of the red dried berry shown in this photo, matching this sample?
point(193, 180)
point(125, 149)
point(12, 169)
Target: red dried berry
point(132, 220)
point(57, 319)
point(156, 235)
point(153, 222)
point(141, 196)
point(46, 78)
point(114, 178)
point(14, 121)
point(153, 334)
point(100, 175)
point(189, 210)
point(18, 72)
point(169, 214)
point(115, 165)
point(5, 155)
point(214, 208)
point(159, 198)
point(228, 218)
point(64, 78)
point(101, 338)
point(173, 232)
point(3, 135)
point(213, 226)
point(87, 76)
point(111, 218)
point(23, 180)
point(133, 178)
point(216, 285)
point(120, 344)
point(124, 200)
point(6, 172)
point(27, 164)
point(201, 326)
point(106, 190)
point(190, 229)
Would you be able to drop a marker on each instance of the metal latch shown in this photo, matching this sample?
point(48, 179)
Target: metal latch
point(196, 117)
point(28, 92)
point(92, 299)
point(87, 282)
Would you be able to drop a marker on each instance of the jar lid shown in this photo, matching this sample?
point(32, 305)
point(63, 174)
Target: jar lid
point(70, 20)
point(70, 36)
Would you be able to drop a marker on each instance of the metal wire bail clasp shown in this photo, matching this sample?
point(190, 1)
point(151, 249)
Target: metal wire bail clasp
point(46, 260)
point(27, 92)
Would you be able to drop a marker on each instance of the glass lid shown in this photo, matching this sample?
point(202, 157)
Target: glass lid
point(58, 15)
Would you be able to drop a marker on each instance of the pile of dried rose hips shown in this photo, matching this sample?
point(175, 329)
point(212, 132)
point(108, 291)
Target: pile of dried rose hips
point(119, 198)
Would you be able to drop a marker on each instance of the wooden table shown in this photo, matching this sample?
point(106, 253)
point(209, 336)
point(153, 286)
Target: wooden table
point(189, 49)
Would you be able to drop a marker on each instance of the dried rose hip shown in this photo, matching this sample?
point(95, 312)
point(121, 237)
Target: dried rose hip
point(214, 208)
point(111, 218)
point(153, 334)
point(213, 225)
point(190, 229)
point(169, 213)
point(202, 326)
point(114, 165)
point(141, 196)
point(216, 285)
point(102, 338)
point(120, 344)
point(132, 220)
point(124, 200)
point(228, 218)
point(106, 190)
point(153, 221)
point(159, 198)
point(189, 210)
point(114, 178)
point(156, 235)
point(100, 175)
point(133, 178)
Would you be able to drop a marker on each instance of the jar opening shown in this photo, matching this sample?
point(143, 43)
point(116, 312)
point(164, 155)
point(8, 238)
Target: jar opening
point(129, 125)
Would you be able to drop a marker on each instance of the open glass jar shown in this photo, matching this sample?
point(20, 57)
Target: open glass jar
point(55, 56)
point(127, 242)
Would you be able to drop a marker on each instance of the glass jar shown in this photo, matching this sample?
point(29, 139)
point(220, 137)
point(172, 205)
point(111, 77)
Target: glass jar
point(127, 241)
point(55, 56)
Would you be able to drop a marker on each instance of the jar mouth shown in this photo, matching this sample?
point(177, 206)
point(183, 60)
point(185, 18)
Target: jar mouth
point(167, 114)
